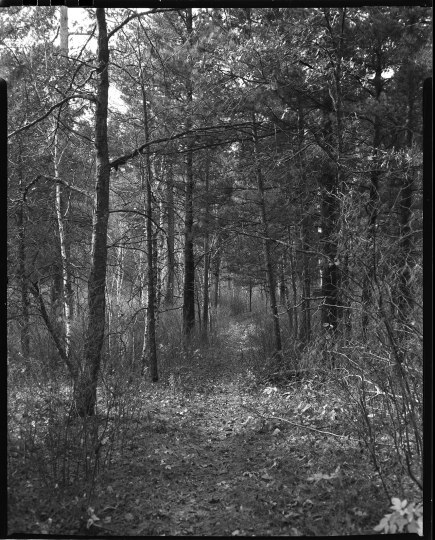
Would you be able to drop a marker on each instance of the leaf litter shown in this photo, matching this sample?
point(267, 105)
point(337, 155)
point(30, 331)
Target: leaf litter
point(224, 463)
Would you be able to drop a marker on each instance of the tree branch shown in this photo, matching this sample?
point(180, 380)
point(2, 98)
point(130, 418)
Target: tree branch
point(251, 409)
point(138, 213)
point(135, 16)
point(140, 149)
point(53, 179)
point(50, 110)
point(34, 289)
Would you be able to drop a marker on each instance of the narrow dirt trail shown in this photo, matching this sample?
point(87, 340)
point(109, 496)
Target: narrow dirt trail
point(205, 467)
point(200, 462)
point(203, 464)
point(237, 337)
point(239, 330)
point(212, 473)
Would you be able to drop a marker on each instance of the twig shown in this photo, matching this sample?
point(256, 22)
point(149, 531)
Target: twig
point(300, 425)
point(51, 109)
point(98, 526)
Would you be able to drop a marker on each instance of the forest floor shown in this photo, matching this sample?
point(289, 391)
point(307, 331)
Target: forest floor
point(219, 459)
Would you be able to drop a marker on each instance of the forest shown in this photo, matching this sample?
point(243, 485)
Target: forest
point(215, 270)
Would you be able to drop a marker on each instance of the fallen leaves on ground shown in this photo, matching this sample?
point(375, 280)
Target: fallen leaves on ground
point(202, 464)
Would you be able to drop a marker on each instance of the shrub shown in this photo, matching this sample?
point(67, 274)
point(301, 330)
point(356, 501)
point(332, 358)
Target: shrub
point(405, 518)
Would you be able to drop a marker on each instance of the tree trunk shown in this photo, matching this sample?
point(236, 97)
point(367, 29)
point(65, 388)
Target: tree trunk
point(405, 263)
point(294, 289)
point(250, 296)
point(287, 302)
point(330, 221)
point(35, 290)
point(189, 261)
point(169, 299)
point(332, 181)
point(372, 209)
point(266, 245)
point(198, 299)
point(118, 275)
point(24, 291)
point(159, 253)
point(66, 290)
point(347, 314)
point(282, 285)
point(151, 249)
point(206, 287)
point(86, 386)
point(330, 274)
point(144, 354)
point(305, 327)
point(206, 255)
point(216, 276)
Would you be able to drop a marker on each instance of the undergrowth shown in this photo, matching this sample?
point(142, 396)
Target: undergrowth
point(326, 446)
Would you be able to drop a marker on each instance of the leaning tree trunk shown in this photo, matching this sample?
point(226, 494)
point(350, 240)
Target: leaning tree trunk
point(86, 385)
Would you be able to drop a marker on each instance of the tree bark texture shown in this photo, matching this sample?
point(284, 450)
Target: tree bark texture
point(151, 249)
point(372, 207)
point(216, 276)
point(189, 261)
point(206, 255)
point(52, 330)
point(330, 274)
point(170, 281)
point(59, 144)
point(86, 386)
point(305, 323)
point(332, 181)
point(285, 290)
point(294, 320)
point(406, 241)
point(24, 290)
point(159, 251)
point(282, 284)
